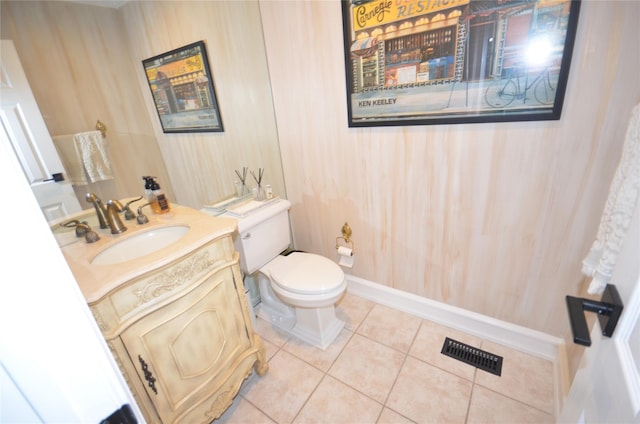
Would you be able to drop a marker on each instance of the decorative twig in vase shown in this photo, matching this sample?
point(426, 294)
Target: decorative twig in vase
point(243, 190)
point(259, 192)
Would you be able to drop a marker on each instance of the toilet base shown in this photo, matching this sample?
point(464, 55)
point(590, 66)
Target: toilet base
point(279, 316)
point(317, 326)
point(271, 309)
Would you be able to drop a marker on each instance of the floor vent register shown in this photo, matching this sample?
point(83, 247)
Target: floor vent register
point(478, 358)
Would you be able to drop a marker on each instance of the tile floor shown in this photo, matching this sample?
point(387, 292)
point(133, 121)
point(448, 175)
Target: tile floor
point(386, 367)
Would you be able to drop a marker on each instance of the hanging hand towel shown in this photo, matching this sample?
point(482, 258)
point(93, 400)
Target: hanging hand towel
point(66, 147)
point(618, 210)
point(91, 147)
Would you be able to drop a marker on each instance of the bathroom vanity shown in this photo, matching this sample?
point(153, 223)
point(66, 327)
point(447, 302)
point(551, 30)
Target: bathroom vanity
point(175, 317)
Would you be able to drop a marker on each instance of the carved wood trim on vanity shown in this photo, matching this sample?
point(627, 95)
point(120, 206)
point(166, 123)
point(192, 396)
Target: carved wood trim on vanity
point(173, 278)
point(123, 305)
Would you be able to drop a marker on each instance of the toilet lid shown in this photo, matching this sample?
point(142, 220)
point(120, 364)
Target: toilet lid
point(306, 273)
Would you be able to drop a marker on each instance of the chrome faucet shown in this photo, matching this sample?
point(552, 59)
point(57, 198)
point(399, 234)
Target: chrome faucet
point(113, 219)
point(101, 211)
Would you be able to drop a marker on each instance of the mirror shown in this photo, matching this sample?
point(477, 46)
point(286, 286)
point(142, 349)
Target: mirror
point(84, 62)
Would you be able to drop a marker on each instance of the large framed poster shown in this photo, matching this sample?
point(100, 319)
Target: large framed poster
point(183, 91)
point(421, 62)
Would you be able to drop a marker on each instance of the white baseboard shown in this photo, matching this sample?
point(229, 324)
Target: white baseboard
point(522, 339)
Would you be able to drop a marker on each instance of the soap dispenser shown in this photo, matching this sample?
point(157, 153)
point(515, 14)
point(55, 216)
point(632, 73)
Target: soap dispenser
point(161, 203)
point(148, 183)
point(156, 197)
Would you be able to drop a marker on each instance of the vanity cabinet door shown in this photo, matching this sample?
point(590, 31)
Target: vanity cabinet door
point(183, 352)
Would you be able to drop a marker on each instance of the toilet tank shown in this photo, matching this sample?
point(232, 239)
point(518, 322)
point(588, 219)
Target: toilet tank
point(263, 235)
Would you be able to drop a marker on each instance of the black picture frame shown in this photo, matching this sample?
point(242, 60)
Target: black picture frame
point(182, 87)
point(429, 62)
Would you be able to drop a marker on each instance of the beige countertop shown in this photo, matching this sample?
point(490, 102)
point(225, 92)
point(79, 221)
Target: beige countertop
point(96, 281)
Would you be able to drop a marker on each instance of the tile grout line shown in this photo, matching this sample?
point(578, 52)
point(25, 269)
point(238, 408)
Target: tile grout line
point(515, 400)
point(384, 404)
point(325, 374)
point(256, 376)
point(404, 360)
point(473, 386)
point(309, 397)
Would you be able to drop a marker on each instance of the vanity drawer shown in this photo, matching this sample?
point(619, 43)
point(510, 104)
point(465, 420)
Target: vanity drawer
point(142, 295)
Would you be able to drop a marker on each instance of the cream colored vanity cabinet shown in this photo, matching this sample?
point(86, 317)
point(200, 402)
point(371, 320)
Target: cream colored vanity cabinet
point(182, 335)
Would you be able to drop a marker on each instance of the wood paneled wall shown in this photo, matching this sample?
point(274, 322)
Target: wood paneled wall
point(494, 218)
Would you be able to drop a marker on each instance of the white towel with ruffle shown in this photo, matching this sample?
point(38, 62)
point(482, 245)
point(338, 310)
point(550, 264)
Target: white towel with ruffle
point(618, 211)
point(85, 157)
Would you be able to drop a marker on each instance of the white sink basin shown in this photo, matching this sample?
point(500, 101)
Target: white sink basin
point(141, 244)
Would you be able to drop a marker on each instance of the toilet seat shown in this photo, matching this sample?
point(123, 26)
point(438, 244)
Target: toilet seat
point(307, 274)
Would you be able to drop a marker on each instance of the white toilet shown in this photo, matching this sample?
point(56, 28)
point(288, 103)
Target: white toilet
point(298, 291)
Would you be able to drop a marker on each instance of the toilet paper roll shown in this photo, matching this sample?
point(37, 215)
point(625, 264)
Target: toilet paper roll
point(345, 256)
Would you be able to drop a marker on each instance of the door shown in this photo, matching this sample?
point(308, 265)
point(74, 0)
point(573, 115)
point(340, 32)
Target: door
point(606, 388)
point(55, 366)
point(481, 49)
point(24, 128)
point(185, 351)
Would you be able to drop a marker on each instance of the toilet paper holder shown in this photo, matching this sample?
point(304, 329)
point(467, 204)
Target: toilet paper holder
point(346, 237)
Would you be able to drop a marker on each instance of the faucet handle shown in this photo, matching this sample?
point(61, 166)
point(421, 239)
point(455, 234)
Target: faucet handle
point(128, 213)
point(81, 230)
point(89, 235)
point(142, 218)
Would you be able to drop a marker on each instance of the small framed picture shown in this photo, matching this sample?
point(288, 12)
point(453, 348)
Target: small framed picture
point(182, 87)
